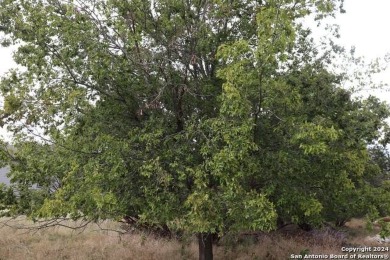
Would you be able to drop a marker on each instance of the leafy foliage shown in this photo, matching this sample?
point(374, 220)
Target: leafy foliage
point(203, 116)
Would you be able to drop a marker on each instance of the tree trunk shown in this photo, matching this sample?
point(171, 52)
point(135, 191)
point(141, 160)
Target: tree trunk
point(205, 241)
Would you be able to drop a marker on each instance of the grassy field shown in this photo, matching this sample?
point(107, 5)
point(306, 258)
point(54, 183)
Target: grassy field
point(94, 243)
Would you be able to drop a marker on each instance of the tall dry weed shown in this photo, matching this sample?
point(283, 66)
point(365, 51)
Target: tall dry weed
point(94, 244)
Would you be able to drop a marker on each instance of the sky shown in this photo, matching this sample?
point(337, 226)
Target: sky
point(6, 61)
point(364, 25)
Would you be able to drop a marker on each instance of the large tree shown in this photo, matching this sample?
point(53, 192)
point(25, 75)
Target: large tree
point(201, 116)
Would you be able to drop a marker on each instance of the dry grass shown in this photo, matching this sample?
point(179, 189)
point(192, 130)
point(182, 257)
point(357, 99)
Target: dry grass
point(93, 243)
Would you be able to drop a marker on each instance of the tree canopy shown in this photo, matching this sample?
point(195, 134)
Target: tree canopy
point(204, 116)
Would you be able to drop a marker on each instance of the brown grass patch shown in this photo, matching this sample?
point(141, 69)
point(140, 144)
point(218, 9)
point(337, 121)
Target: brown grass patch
point(94, 243)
